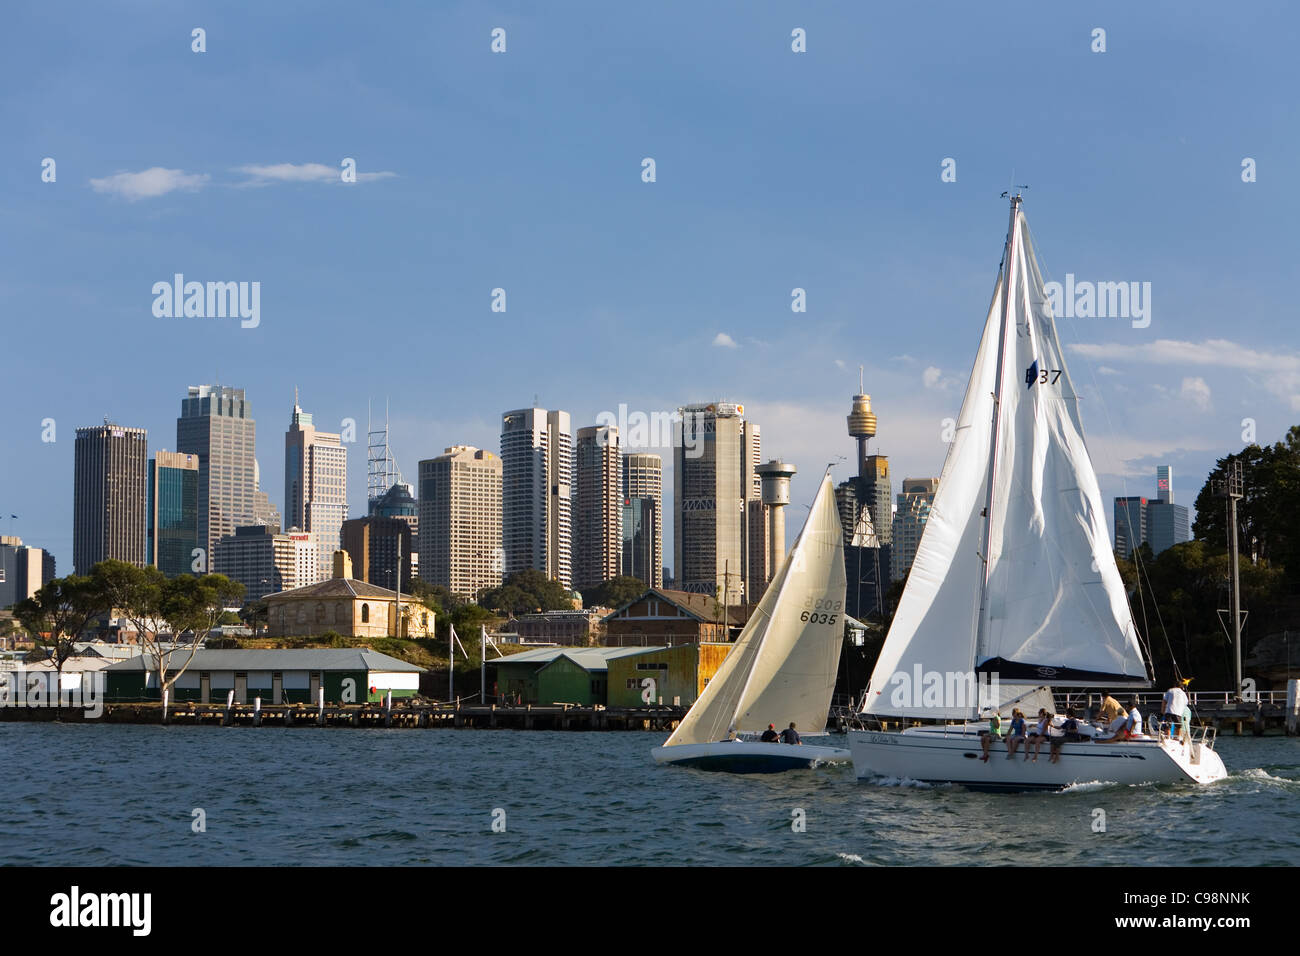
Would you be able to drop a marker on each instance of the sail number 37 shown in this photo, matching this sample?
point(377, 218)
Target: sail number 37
point(1035, 376)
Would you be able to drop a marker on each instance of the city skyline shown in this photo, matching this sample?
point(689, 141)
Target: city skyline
point(462, 189)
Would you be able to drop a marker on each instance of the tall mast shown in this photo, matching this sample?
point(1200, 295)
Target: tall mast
point(1008, 263)
point(1232, 490)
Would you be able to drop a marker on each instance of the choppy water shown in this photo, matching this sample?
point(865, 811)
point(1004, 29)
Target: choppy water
point(110, 795)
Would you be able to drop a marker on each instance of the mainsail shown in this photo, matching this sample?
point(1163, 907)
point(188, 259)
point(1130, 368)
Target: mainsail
point(782, 667)
point(1046, 602)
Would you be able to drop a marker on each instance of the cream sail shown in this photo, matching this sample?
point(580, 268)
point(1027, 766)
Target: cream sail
point(782, 668)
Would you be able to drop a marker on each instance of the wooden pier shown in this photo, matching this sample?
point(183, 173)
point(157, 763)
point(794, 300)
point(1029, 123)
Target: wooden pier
point(423, 715)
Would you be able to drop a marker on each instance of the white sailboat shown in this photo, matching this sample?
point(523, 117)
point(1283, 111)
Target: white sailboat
point(782, 667)
point(1014, 577)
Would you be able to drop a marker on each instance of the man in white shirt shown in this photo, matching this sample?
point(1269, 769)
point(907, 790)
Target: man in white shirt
point(1175, 703)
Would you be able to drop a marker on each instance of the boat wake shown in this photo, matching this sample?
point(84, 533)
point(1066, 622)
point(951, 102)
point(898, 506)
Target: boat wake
point(899, 782)
point(1258, 773)
point(851, 858)
point(1088, 786)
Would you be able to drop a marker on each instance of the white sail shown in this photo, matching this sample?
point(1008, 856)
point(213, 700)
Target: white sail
point(935, 625)
point(1054, 608)
point(1056, 605)
point(782, 667)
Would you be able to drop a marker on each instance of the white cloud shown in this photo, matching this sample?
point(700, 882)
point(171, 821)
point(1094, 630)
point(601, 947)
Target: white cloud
point(302, 173)
point(1195, 390)
point(148, 183)
point(723, 340)
point(840, 363)
point(1277, 371)
point(930, 377)
point(1106, 370)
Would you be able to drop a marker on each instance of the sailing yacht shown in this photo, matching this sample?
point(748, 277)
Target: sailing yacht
point(1014, 590)
point(782, 667)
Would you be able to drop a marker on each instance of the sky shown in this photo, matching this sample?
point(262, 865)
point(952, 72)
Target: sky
point(865, 170)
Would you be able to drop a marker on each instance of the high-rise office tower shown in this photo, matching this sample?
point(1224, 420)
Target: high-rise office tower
point(1130, 525)
point(315, 485)
point(23, 570)
point(108, 496)
point(643, 509)
point(715, 478)
point(216, 425)
point(460, 520)
point(265, 560)
point(914, 504)
point(374, 545)
point(536, 492)
point(598, 509)
point(1165, 484)
point(172, 513)
point(1157, 521)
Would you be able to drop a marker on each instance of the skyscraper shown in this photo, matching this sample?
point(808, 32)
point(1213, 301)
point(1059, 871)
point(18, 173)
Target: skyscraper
point(374, 544)
point(172, 513)
point(460, 520)
point(108, 496)
point(643, 509)
point(1130, 525)
point(914, 504)
point(315, 485)
point(217, 426)
point(23, 570)
point(536, 492)
point(598, 509)
point(715, 459)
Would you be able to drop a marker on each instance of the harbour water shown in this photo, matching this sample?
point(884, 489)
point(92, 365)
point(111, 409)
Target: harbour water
point(125, 795)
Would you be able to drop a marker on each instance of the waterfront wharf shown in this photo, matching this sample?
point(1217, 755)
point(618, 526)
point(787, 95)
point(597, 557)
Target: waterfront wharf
point(453, 714)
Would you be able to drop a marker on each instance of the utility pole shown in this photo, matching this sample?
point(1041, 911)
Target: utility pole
point(1230, 488)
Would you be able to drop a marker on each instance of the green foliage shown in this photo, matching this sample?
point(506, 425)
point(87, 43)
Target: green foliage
point(615, 592)
point(433, 596)
point(1268, 521)
point(57, 614)
point(526, 592)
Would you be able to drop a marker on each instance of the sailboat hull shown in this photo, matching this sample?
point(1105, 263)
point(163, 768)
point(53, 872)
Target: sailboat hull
point(749, 757)
point(953, 754)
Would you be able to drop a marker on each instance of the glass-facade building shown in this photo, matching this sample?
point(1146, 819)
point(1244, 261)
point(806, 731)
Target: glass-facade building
point(172, 513)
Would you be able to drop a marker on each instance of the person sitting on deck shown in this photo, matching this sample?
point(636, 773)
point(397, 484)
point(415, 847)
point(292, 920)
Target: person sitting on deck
point(1134, 725)
point(790, 735)
point(1069, 734)
point(1016, 734)
point(1112, 715)
point(770, 735)
point(993, 733)
point(1039, 733)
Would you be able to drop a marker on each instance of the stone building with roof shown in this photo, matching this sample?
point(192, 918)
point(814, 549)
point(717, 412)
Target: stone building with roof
point(345, 606)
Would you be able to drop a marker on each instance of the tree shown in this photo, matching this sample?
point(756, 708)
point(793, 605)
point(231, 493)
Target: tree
point(615, 592)
point(527, 591)
point(433, 596)
point(196, 605)
point(134, 591)
point(57, 614)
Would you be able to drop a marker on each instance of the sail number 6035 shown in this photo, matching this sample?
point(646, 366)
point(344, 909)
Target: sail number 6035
point(821, 611)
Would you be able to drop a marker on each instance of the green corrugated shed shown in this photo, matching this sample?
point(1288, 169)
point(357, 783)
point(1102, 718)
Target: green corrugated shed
point(566, 680)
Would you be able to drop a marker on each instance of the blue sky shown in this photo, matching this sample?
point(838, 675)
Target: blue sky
point(522, 170)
